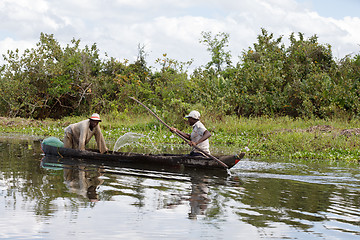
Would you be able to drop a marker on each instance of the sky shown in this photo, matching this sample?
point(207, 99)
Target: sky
point(174, 28)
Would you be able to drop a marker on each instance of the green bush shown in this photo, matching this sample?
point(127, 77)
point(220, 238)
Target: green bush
point(301, 80)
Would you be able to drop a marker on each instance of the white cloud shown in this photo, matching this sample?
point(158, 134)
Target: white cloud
point(10, 44)
point(172, 27)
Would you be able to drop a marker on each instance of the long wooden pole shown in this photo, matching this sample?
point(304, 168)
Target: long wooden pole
point(181, 136)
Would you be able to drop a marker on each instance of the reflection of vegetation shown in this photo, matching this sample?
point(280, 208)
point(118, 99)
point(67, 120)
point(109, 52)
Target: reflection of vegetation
point(27, 177)
point(272, 200)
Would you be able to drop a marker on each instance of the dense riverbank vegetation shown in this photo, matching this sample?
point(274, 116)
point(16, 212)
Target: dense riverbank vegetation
point(259, 137)
point(300, 80)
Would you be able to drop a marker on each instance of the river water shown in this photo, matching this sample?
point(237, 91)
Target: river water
point(51, 198)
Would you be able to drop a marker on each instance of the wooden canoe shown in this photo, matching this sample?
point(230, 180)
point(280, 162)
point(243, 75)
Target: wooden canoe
point(164, 160)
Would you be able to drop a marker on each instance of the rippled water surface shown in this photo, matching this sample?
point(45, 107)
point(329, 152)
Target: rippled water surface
point(51, 198)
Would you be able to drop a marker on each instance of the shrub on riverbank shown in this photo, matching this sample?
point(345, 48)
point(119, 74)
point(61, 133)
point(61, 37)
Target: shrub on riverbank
point(301, 80)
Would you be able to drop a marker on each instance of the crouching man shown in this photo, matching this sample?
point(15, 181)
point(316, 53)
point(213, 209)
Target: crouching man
point(77, 135)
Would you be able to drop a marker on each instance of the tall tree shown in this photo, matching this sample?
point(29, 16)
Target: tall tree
point(216, 46)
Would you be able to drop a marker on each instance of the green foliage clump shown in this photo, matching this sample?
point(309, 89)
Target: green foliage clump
point(301, 80)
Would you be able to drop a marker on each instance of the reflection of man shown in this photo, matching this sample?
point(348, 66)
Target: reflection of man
point(199, 197)
point(83, 182)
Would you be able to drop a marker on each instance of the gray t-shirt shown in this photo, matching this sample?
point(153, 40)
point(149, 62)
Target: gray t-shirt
point(197, 134)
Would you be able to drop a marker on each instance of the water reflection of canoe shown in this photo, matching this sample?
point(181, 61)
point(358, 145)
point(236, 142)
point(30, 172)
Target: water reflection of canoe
point(139, 158)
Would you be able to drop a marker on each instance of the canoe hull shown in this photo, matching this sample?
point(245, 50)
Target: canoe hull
point(137, 158)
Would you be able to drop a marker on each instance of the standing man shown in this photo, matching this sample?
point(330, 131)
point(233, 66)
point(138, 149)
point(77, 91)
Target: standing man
point(77, 135)
point(198, 137)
